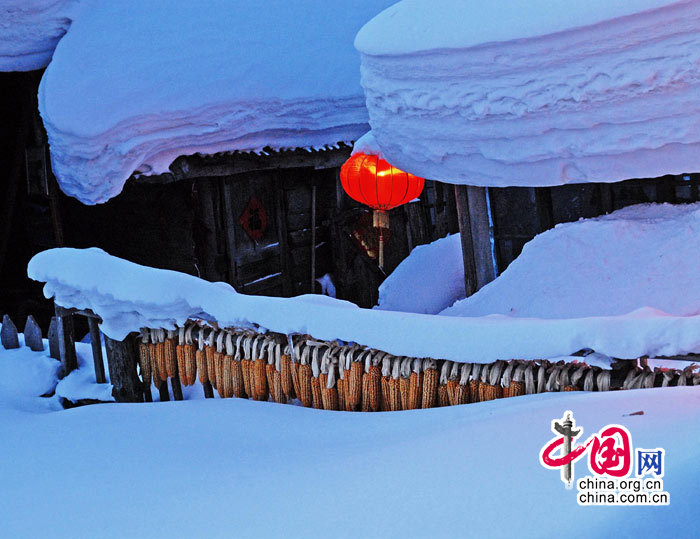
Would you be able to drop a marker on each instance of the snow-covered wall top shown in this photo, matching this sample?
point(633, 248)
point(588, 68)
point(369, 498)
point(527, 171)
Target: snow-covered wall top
point(135, 84)
point(128, 296)
point(29, 31)
point(535, 93)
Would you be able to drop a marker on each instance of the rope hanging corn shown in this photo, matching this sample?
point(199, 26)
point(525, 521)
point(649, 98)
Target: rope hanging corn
point(295, 358)
point(144, 359)
point(270, 366)
point(258, 370)
point(430, 383)
point(227, 368)
point(219, 363)
point(462, 390)
point(237, 370)
point(305, 393)
point(329, 393)
point(200, 356)
point(452, 382)
point(247, 364)
point(316, 399)
point(210, 354)
point(443, 397)
point(474, 382)
point(385, 385)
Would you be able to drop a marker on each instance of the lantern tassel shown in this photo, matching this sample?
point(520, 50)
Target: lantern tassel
point(381, 222)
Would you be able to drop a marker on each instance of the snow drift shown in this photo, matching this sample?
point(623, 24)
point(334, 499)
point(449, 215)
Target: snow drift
point(641, 256)
point(182, 78)
point(30, 30)
point(535, 93)
point(429, 280)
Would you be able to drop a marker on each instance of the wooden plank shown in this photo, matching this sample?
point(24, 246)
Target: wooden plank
point(229, 232)
point(52, 336)
point(312, 281)
point(32, 335)
point(122, 361)
point(8, 334)
point(480, 235)
point(66, 340)
point(96, 343)
point(465, 233)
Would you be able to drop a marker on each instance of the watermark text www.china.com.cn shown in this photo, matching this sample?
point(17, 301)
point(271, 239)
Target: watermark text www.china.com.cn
point(611, 463)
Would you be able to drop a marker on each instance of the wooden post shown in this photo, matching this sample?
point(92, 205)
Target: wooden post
point(96, 343)
point(163, 391)
point(281, 216)
point(52, 336)
point(472, 214)
point(122, 361)
point(66, 340)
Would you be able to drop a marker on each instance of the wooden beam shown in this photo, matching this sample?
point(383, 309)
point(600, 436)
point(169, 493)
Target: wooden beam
point(66, 340)
point(122, 361)
point(96, 343)
point(282, 238)
point(473, 218)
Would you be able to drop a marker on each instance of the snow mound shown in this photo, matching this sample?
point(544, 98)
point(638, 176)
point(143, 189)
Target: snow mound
point(535, 93)
point(643, 256)
point(128, 296)
point(30, 30)
point(182, 78)
point(428, 281)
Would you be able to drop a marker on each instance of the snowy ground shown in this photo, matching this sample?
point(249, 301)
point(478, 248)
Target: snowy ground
point(249, 469)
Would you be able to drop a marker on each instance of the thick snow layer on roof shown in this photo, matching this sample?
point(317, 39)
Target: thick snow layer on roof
point(128, 296)
point(641, 256)
point(535, 93)
point(29, 31)
point(135, 84)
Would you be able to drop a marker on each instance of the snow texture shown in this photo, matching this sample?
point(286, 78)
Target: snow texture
point(428, 281)
point(125, 470)
point(640, 257)
point(30, 30)
point(182, 78)
point(535, 93)
point(586, 303)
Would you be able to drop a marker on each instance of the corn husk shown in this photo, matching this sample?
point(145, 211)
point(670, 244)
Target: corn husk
point(155, 373)
point(270, 368)
point(169, 353)
point(237, 371)
point(247, 365)
point(415, 385)
point(219, 354)
point(431, 378)
point(329, 391)
point(443, 393)
point(462, 389)
point(404, 381)
point(542, 376)
point(210, 352)
point(258, 371)
point(200, 359)
point(346, 361)
point(316, 399)
point(144, 359)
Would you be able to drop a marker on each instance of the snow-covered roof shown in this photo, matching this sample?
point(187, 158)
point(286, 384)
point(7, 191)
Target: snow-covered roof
point(535, 93)
point(29, 31)
point(135, 84)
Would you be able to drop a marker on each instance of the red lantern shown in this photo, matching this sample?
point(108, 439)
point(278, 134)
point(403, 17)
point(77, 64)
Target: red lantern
point(374, 182)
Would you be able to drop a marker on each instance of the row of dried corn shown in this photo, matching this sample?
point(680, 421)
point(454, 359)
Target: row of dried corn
point(334, 376)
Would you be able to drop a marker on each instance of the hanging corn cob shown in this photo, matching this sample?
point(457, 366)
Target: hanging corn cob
point(452, 383)
point(305, 392)
point(354, 395)
point(493, 389)
point(415, 385)
point(517, 384)
point(373, 376)
point(259, 368)
point(329, 393)
point(189, 358)
point(474, 382)
point(247, 364)
point(340, 381)
point(507, 378)
point(364, 399)
point(200, 356)
point(237, 382)
point(210, 353)
point(144, 359)
point(219, 362)
point(270, 366)
point(226, 382)
point(385, 383)
point(277, 390)
point(404, 381)
point(180, 353)
point(484, 381)
point(430, 383)
point(295, 352)
point(462, 389)
point(160, 354)
point(286, 375)
point(443, 397)
point(169, 353)
point(316, 400)
point(155, 373)
point(394, 385)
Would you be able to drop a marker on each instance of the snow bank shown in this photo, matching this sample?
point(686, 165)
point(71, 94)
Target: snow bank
point(30, 30)
point(182, 77)
point(428, 281)
point(535, 93)
point(128, 296)
point(126, 470)
point(643, 256)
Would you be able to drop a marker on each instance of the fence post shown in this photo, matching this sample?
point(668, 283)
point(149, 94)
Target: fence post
point(96, 343)
point(122, 361)
point(66, 340)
